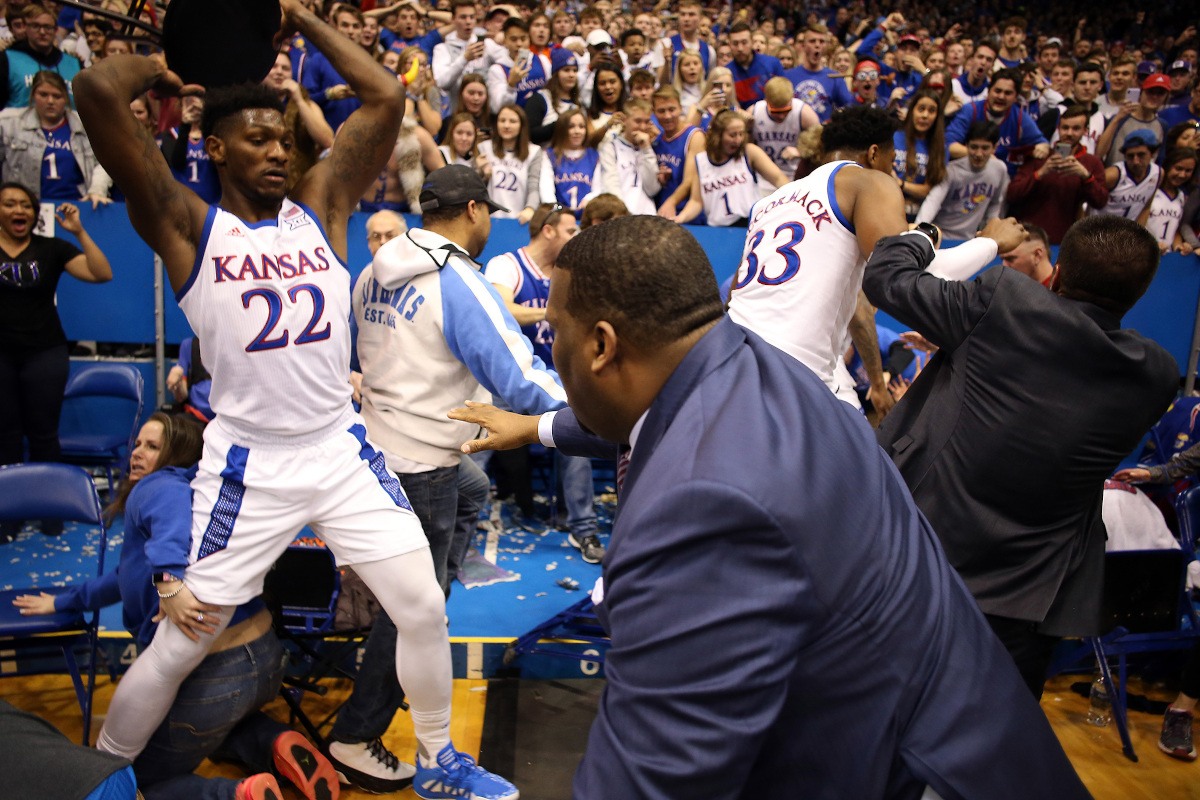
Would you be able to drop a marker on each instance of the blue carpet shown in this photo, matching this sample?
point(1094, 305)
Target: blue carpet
point(503, 609)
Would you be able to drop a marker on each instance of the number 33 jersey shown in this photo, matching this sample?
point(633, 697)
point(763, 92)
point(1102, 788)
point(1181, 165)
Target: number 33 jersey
point(797, 286)
point(270, 302)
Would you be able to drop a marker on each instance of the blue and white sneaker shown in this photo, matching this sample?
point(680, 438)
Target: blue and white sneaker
point(455, 775)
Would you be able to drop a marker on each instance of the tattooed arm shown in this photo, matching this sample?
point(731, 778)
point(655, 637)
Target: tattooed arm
point(168, 215)
point(363, 144)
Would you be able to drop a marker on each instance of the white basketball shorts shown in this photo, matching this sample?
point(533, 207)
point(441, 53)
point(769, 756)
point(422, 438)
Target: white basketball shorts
point(250, 501)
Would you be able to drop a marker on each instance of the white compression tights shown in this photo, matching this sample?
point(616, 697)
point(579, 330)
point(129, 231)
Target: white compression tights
point(407, 589)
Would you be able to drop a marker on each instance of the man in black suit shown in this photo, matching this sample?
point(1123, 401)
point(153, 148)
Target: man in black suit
point(1034, 398)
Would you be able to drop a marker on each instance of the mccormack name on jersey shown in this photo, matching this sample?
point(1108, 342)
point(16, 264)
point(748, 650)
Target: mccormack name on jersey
point(815, 208)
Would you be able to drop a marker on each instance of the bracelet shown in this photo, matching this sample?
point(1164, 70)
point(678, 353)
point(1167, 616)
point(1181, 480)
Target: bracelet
point(162, 596)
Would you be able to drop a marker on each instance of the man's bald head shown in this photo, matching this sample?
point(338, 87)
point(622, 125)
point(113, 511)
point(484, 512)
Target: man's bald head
point(382, 227)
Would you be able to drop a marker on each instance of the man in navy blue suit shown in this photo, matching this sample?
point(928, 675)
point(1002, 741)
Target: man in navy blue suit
point(783, 620)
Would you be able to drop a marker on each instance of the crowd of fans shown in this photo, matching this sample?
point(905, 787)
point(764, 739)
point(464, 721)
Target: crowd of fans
point(685, 110)
point(562, 102)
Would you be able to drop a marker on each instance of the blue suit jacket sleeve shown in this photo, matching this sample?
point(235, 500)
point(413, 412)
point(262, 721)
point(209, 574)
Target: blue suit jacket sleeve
point(571, 439)
point(896, 282)
point(708, 617)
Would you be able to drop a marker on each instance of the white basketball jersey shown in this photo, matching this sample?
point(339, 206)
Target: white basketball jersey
point(1165, 215)
point(728, 191)
point(629, 174)
point(797, 285)
point(510, 179)
point(773, 137)
point(270, 302)
point(1127, 198)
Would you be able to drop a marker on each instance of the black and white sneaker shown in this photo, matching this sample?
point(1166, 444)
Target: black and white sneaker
point(370, 766)
point(589, 547)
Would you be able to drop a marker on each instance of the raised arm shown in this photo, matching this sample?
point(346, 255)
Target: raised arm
point(166, 214)
point(364, 143)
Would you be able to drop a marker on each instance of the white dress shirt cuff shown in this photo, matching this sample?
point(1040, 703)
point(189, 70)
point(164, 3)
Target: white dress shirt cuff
point(546, 428)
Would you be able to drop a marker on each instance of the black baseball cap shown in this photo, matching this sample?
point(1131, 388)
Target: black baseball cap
point(455, 185)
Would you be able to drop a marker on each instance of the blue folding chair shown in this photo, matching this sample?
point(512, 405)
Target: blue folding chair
point(1146, 609)
point(97, 432)
point(60, 492)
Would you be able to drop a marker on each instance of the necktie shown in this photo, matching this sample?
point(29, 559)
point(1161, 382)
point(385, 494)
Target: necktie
point(622, 468)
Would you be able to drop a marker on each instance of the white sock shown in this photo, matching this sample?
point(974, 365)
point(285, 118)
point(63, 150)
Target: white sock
point(407, 588)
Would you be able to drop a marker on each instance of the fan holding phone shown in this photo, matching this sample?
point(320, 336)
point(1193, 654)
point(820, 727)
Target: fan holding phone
point(1051, 192)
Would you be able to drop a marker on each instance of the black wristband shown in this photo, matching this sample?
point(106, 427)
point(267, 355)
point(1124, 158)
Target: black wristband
point(932, 231)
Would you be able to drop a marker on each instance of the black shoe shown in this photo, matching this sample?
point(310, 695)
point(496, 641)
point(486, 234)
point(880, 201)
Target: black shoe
point(589, 547)
point(52, 527)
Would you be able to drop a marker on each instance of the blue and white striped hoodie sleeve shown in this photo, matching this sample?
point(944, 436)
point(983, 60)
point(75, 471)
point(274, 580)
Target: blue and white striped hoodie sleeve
point(483, 335)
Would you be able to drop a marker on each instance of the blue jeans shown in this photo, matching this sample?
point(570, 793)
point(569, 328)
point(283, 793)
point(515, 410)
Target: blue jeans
point(473, 489)
point(377, 692)
point(216, 713)
point(579, 494)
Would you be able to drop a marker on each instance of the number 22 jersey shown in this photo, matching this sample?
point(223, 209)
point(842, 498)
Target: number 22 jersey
point(270, 302)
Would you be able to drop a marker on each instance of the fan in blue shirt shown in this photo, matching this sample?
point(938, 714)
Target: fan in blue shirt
point(1019, 133)
point(751, 70)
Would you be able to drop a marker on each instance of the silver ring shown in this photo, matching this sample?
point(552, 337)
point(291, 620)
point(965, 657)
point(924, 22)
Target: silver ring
point(199, 618)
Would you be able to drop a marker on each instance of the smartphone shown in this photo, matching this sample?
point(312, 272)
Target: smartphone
point(524, 57)
point(1064, 149)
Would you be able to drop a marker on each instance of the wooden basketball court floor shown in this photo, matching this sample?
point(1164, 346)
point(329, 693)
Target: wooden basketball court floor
point(1095, 752)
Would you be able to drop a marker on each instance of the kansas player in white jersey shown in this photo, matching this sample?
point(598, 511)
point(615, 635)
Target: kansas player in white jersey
point(799, 285)
point(262, 281)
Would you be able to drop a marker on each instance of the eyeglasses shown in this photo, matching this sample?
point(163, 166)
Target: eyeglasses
point(33, 26)
point(866, 75)
point(549, 219)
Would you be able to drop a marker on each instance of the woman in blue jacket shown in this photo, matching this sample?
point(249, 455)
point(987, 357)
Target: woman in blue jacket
point(217, 709)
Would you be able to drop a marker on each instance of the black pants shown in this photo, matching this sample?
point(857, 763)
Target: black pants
point(1190, 682)
point(1030, 649)
point(31, 399)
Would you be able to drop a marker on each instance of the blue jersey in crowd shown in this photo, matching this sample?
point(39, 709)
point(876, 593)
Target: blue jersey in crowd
point(61, 175)
point(823, 89)
point(532, 292)
point(1019, 132)
point(574, 178)
point(748, 81)
point(426, 42)
point(900, 163)
point(672, 153)
point(200, 175)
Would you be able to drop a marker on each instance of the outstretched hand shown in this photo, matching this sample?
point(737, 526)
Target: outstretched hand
point(506, 430)
point(33, 605)
point(1132, 475)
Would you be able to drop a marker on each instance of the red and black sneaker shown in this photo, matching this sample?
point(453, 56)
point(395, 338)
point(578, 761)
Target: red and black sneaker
point(299, 760)
point(262, 786)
